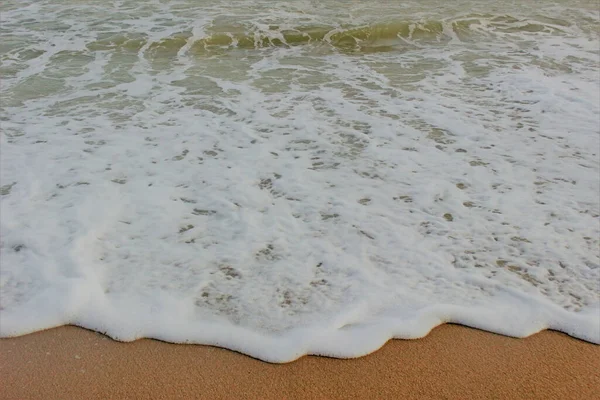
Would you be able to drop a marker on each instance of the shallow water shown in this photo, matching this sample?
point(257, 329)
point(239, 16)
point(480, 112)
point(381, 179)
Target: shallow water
point(284, 178)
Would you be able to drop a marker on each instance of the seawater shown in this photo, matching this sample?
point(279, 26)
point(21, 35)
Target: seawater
point(302, 177)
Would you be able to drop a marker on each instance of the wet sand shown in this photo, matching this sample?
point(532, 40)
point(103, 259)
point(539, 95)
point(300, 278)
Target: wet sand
point(452, 362)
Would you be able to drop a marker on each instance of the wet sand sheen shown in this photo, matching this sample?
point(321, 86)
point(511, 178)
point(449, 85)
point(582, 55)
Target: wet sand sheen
point(451, 362)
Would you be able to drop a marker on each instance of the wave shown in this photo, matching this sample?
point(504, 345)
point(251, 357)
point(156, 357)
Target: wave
point(382, 36)
point(281, 203)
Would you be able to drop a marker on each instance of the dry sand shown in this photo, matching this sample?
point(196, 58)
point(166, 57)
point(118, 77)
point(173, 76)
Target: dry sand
point(453, 362)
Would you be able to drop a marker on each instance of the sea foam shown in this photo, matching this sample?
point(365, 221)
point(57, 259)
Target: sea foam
point(288, 179)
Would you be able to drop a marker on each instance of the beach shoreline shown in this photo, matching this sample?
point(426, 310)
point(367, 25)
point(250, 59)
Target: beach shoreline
point(453, 361)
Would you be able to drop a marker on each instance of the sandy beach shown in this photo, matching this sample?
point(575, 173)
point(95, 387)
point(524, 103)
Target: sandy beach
point(293, 177)
point(451, 362)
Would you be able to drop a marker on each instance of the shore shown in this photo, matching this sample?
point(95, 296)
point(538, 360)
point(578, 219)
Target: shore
point(451, 362)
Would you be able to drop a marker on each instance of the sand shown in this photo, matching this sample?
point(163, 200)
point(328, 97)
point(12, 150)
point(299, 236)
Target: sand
point(452, 362)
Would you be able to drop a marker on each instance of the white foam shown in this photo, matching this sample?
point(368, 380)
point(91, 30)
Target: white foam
point(302, 199)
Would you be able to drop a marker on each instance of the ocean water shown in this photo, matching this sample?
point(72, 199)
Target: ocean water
point(302, 177)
